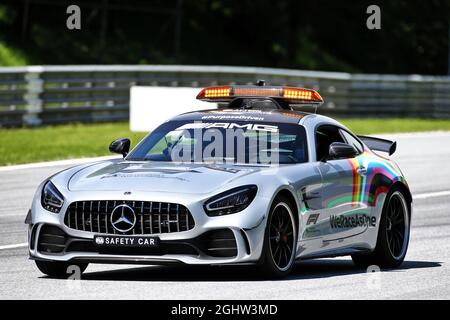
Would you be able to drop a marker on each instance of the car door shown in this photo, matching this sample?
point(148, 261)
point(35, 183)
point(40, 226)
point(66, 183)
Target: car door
point(341, 187)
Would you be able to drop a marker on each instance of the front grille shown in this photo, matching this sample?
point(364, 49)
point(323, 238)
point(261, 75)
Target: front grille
point(151, 217)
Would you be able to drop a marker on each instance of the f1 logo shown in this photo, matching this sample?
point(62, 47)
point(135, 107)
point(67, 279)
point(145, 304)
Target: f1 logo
point(312, 219)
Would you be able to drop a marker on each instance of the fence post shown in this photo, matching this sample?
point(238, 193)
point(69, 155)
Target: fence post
point(35, 86)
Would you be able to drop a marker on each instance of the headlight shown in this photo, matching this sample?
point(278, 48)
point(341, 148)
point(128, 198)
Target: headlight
point(231, 201)
point(51, 199)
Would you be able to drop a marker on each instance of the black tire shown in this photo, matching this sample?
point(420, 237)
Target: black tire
point(281, 233)
point(393, 233)
point(58, 269)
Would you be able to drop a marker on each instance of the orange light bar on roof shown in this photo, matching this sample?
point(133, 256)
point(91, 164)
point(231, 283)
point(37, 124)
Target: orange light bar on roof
point(216, 92)
point(301, 94)
point(255, 92)
point(289, 94)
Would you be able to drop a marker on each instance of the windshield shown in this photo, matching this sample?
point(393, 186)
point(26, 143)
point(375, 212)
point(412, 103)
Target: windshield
point(230, 142)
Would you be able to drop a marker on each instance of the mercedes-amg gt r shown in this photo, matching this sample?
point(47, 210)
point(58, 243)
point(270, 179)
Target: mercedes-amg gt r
point(254, 181)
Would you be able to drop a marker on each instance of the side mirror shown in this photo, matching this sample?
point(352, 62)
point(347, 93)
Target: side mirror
point(121, 146)
point(339, 150)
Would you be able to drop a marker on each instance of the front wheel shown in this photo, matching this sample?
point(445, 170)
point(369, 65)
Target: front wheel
point(393, 233)
point(58, 269)
point(280, 239)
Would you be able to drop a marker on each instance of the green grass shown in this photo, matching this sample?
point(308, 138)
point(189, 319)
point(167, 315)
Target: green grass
point(26, 145)
point(394, 125)
point(61, 142)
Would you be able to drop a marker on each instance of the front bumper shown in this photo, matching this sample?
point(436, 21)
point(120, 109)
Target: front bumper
point(189, 247)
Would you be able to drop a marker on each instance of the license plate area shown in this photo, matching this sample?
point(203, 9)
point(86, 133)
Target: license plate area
point(117, 241)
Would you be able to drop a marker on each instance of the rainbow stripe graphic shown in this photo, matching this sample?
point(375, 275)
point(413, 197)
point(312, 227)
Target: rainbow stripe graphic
point(357, 182)
point(381, 174)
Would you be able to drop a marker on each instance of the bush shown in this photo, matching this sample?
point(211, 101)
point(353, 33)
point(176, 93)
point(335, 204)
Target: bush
point(10, 56)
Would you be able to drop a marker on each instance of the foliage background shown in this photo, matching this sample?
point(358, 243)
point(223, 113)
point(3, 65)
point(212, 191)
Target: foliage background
point(315, 35)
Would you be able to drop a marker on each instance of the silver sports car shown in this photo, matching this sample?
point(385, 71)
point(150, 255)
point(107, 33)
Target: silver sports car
point(253, 182)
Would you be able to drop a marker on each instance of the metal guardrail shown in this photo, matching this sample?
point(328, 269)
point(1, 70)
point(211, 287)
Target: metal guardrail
point(39, 95)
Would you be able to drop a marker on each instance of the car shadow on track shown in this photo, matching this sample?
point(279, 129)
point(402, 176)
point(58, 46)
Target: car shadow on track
point(325, 268)
point(311, 269)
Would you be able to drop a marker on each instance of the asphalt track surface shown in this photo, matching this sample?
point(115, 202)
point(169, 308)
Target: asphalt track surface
point(425, 274)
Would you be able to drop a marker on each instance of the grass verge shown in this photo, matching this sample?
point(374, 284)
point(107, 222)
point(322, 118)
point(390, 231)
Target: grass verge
point(395, 125)
point(25, 145)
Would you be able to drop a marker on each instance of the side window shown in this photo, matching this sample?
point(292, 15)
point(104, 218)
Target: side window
point(351, 140)
point(326, 135)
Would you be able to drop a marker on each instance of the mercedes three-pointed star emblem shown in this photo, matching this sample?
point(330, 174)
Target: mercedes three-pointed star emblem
point(123, 218)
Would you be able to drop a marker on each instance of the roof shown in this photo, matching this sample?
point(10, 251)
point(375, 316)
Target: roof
point(275, 115)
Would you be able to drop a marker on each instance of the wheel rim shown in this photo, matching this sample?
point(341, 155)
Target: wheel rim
point(282, 236)
point(397, 225)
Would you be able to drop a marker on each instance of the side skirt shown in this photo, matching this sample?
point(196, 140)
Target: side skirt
point(335, 253)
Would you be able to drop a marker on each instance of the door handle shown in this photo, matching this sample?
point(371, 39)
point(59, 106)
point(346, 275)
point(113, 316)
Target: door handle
point(361, 170)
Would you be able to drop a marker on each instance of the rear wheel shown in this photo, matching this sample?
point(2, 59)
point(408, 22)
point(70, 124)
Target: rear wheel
point(280, 239)
point(59, 269)
point(393, 234)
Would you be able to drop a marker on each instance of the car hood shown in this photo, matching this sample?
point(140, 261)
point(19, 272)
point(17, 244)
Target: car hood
point(156, 176)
